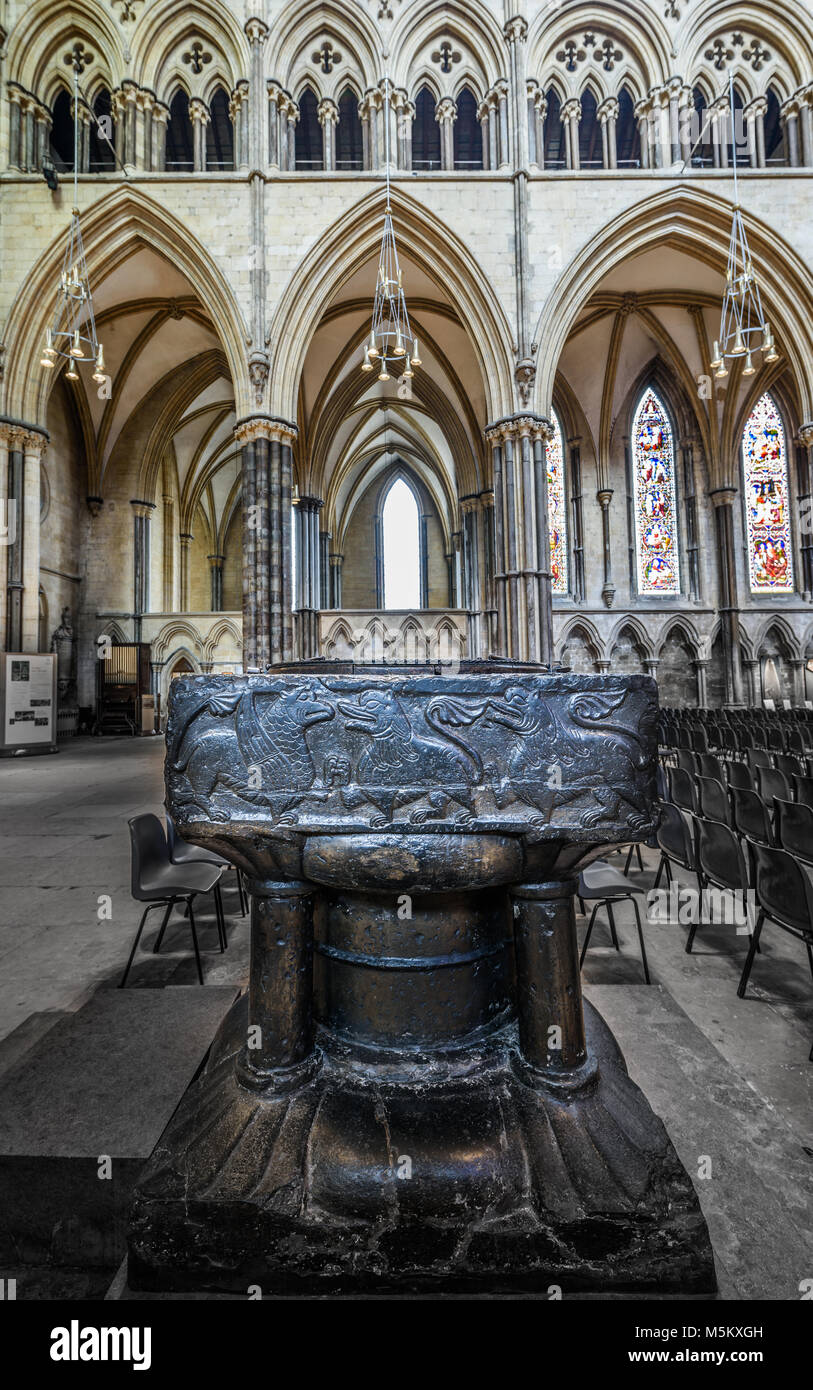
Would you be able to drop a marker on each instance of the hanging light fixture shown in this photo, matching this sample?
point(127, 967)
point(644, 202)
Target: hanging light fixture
point(391, 340)
point(72, 335)
point(742, 322)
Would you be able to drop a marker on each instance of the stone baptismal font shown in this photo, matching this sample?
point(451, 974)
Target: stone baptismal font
point(412, 1095)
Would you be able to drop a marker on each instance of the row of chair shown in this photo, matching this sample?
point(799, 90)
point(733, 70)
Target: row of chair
point(782, 891)
point(771, 815)
point(735, 770)
point(167, 871)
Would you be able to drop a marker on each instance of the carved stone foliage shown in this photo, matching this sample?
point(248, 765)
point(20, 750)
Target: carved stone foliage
point(547, 756)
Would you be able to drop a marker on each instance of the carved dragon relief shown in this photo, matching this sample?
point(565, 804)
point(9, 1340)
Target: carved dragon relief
point(315, 753)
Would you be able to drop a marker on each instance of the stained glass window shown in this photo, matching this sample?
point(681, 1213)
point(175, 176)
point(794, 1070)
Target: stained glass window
point(767, 511)
point(557, 517)
point(655, 505)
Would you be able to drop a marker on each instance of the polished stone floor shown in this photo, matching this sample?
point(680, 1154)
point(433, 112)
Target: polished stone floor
point(729, 1077)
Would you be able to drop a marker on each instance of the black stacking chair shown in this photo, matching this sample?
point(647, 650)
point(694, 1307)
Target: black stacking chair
point(771, 783)
point(602, 884)
point(712, 800)
point(661, 783)
point(790, 764)
point(784, 896)
point(803, 787)
point(156, 881)
point(699, 738)
point(738, 775)
point(793, 826)
point(794, 743)
point(687, 760)
point(751, 816)
point(182, 852)
point(710, 766)
point(675, 842)
point(757, 758)
point(775, 738)
point(719, 861)
point(682, 789)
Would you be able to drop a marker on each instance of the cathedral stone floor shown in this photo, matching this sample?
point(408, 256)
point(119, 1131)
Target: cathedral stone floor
point(729, 1077)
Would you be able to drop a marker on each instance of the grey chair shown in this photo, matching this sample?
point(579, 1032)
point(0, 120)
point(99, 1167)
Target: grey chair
point(784, 896)
point(602, 884)
point(156, 881)
point(182, 852)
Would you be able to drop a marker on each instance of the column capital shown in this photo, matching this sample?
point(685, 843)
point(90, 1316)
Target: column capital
point(446, 110)
point(186, 538)
point(608, 110)
point(141, 507)
point(757, 107)
point(199, 111)
point(571, 108)
point(515, 29)
point(277, 94)
point(806, 434)
point(642, 108)
point(255, 427)
point(518, 426)
point(790, 108)
point(328, 112)
point(257, 30)
point(604, 497)
point(723, 496)
point(160, 113)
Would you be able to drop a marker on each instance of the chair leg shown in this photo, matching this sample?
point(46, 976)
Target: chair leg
point(639, 856)
point(749, 960)
point(641, 939)
point(587, 937)
point(242, 892)
point(123, 980)
point(690, 937)
point(581, 907)
point(159, 938)
point(660, 870)
point(221, 920)
point(629, 859)
point(613, 932)
point(194, 939)
point(809, 956)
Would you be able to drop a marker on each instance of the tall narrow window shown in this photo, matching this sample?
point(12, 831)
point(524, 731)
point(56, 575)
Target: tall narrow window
point(767, 510)
point(425, 133)
point(349, 142)
point(655, 506)
point(467, 135)
point(220, 133)
point(554, 132)
point(400, 525)
point(101, 159)
point(589, 133)
point(179, 141)
point(775, 145)
point(62, 132)
point(703, 156)
point(557, 515)
point(627, 137)
point(308, 137)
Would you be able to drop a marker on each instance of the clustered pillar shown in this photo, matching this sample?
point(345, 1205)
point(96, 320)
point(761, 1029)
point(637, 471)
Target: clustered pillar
point(267, 482)
point(308, 556)
point(21, 451)
point(522, 576)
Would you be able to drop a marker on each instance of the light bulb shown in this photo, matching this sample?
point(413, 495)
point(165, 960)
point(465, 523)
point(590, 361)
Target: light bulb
point(372, 346)
point(722, 371)
point(738, 349)
point(416, 361)
point(46, 361)
point(408, 372)
point(366, 365)
point(749, 368)
point(77, 350)
point(716, 359)
point(72, 373)
point(398, 350)
point(383, 375)
point(771, 355)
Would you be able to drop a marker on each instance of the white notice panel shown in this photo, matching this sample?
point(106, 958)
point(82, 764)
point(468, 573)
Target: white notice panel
point(29, 699)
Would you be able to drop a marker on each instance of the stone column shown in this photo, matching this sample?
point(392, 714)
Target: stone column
point(720, 126)
point(789, 112)
point(571, 115)
point(291, 119)
point(255, 111)
point(33, 444)
point(277, 137)
point(805, 99)
point(168, 572)
point(540, 111)
point(279, 1053)
point(239, 113)
point(216, 578)
point(16, 97)
point(405, 118)
point(199, 116)
point(608, 116)
point(522, 543)
point(185, 539)
point(501, 93)
point(686, 114)
point(700, 666)
point(328, 113)
point(8, 528)
point(142, 511)
point(15, 517)
point(160, 120)
point(483, 117)
point(307, 574)
point(659, 120)
point(723, 500)
point(754, 115)
point(604, 498)
point(550, 1015)
point(324, 569)
point(446, 115)
point(336, 562)
point(266, 502)
point(641, 112)
point(516, 34)
point(674, 93)
point(805, 471)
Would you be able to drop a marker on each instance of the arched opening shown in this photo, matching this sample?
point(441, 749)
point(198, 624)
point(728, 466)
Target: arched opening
point(425, 133)
point(308, 137)
point(349, 141)
point(180, 145)
point(775, 145)
point(401, 547)
point(554, 132)
point(468, 136)
point(101, 156)
point(589, 133)
point(653, 498)
point(766, 500)
point(703, 156)
point(628, 139)
point(735, 132)
point(219, 133)
point(62, 132)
